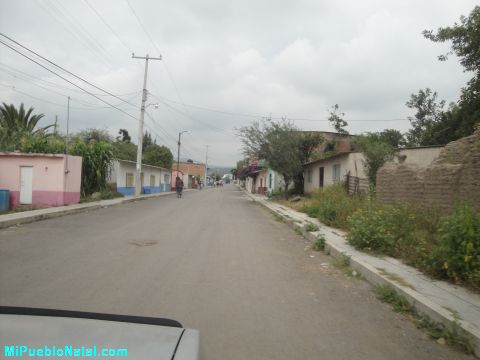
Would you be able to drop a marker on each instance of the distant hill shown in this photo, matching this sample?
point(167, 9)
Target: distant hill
point(219, 169)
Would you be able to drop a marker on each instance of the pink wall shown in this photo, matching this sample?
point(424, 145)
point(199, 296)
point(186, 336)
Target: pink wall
point(50, 185)
point(261, 180)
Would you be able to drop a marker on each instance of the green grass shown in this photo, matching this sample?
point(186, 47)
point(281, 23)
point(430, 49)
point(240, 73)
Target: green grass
point(311, 227)
point(319, 243)
point(451, 334)
point(394, 277)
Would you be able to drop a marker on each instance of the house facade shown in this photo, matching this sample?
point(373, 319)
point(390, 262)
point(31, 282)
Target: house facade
point(333, 169)
point(153, 179)
point(190, 171)
point(41, 179)
point(275, 182)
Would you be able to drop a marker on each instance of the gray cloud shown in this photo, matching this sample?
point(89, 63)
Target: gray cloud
point(287, 58)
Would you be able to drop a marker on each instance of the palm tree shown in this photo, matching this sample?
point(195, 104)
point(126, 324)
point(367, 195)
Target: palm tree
point(16, 122)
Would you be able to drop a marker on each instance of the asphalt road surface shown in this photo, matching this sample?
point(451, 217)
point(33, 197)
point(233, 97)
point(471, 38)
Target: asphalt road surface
point(216, 262)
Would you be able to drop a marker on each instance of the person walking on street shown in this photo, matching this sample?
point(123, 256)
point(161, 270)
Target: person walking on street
point(179, 187)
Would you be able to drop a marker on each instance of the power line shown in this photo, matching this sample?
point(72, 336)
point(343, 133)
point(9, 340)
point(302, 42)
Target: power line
point(60, 76)
point(108, 26)
point(49, 83)
point(143, 27)
point(63, 69)
point(59, 17)
point(261, 116)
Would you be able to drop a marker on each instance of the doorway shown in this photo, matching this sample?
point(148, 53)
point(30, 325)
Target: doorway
point(26, 179)
point(321, 176)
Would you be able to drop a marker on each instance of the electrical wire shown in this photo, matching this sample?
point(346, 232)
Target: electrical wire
point(61, 68)
point(107, 25)
point(143, 27)
point(59, 17)
point(10, 69)
point(60, 76)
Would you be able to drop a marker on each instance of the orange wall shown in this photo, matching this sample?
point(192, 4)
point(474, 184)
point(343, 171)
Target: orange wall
point(190, 169)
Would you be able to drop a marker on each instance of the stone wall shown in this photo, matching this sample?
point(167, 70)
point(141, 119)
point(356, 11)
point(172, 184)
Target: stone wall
point(452, 179)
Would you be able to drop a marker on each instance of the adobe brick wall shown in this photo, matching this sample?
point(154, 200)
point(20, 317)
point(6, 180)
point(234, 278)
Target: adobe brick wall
point(453, 178)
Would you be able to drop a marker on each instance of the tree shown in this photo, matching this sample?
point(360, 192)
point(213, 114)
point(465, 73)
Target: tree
point(392, 137)
point(426, 119)
point(376, 154)
point(97, 159)
point(277, 143)
point(307, 143)
point(18, 121)
point(158, 156)
point(88, 135)
point(125, 150)
point(124, 136)
point(336, 119)
point(465, 38)
point(147, 140)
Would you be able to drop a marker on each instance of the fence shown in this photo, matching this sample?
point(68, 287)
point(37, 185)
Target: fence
point(355, 185)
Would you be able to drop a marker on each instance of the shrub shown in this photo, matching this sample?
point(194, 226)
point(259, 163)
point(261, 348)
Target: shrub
point(97, 159)
point(312, 210)
point(319, 243)
point(390, 230)
point(370, 229)
point(311, 227)
point(459, 245)
point(335, 205)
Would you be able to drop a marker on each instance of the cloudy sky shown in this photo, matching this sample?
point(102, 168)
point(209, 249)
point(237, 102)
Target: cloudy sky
point(226, 63)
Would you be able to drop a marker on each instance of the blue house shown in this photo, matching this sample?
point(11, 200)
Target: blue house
point(154, 179)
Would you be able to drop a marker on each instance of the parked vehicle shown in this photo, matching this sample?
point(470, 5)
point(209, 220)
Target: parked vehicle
point(65, 333)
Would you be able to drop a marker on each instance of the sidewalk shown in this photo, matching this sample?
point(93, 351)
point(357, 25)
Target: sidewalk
point(441, 301)
point(25, 217)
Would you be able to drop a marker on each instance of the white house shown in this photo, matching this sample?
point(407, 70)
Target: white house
point(333, 169)
point(154, 179)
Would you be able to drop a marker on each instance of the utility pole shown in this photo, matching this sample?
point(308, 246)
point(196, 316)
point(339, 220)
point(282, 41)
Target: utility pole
point(178, 153)
point(67, 170)
point(68, 124)
point(138, 186)
point(206, 166)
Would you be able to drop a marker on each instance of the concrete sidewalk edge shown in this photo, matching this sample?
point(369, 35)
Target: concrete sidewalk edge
point(422, 305)
point(14, 219)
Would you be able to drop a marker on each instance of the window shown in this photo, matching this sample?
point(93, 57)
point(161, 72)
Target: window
point(270, 180)
point(129, 180)
point(166, 179)
point(152, 180)
point(309, 175)
point(336, 173)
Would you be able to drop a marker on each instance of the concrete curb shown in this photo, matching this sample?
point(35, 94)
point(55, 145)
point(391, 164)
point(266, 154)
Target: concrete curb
point(421, 304)
point(26, 217)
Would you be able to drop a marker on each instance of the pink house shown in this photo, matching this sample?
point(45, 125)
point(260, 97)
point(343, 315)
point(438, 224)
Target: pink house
point(41, 179)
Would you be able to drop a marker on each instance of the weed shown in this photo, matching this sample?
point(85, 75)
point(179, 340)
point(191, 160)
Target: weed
point(387, 294)
point(451, 334)
point(311, 227)
point(277, 217)
point(394, 277)
point(346, 259)
point(343, 264)
point(298, 231)
point(319, 243)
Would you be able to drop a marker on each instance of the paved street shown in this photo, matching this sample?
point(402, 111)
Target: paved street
point(216, 262)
